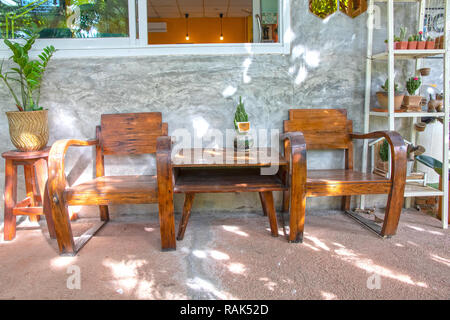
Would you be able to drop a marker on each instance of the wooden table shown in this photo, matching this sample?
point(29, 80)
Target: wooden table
point(225, 170)
point(36, 203)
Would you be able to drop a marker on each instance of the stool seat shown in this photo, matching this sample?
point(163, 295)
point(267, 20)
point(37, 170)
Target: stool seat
point(26, 155)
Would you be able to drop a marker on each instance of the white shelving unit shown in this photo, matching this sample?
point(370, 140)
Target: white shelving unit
point(413, 189)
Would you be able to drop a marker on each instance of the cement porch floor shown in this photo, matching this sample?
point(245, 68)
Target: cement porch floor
point(233, 256)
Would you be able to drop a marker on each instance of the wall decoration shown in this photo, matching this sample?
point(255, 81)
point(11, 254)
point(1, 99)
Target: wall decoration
point(323, 8)
point(353, 8)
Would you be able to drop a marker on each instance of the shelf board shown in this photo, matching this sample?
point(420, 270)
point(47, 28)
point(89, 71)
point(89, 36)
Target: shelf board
point(408, 114)
point(414, 189)
point(409, 54)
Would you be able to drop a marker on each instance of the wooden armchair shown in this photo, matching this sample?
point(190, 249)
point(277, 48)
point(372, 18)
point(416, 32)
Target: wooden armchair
point(118, 134)
point(330, 129)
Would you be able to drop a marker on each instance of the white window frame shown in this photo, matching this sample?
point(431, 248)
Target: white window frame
point(130, 46)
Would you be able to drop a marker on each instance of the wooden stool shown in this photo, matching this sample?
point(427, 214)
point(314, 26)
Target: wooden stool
point(37, 201)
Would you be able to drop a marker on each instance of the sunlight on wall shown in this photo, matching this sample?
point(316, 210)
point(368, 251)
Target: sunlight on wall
point(229, 91)
point(200, 126)
point(246, 65)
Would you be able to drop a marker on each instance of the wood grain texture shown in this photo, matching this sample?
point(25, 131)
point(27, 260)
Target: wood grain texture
point(226, 180)
point(398, 178)
point(188, 201)
point(10, 195)
point(228, 157)
point(31, 188)
point(271, 213)
point(100, 170)
point(263, 204)
point(330, 129)
point(130, 133)
point(165, 193)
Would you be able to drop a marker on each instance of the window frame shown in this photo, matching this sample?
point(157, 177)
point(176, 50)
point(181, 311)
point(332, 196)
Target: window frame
point(133, 46)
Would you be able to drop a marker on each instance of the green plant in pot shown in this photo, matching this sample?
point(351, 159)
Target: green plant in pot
point(412, 85)
point(383, 97)
point(28, 127)
point(243, 140)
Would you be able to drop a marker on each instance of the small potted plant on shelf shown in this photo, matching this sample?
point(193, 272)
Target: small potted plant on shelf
point(28, 127)
point(430, 43)
point(421, 43)
point(412, 85)
point(411, 152)
point(383, 97)
point(412, 42)
point(402, 43)
point(243, 140)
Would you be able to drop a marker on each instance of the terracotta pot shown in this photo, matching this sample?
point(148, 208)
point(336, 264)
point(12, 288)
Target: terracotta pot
point(412, 101)
point(420, 126)
point(441, 42)
point(425, 71)
point(421, 45)
point(412, 45)
point(28, 130)
point(429, 45)
point(403, 45)
point(383, 100)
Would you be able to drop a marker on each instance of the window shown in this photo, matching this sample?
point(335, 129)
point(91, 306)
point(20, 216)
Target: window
point(65, 18)
point(149, 27)
point(212, 21)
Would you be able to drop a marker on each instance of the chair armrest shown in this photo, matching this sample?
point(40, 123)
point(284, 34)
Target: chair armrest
point(295, 153)
point(56, 176)
point(398, 150)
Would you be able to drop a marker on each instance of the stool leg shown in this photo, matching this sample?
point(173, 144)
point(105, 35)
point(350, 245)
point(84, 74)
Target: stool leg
point(41, 177)
point(9, 224)
point(30, 187)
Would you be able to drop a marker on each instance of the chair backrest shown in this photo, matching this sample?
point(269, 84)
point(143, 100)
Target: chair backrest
point(131, 133)
point(322, 128)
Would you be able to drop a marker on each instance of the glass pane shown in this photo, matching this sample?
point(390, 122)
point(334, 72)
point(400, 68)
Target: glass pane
point(65, 18)
point(212, 21)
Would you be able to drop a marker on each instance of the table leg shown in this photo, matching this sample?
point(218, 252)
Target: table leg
point(270, 209)
point(30, 187)
point(9, 224)
point(188, 201)
point(261, 197)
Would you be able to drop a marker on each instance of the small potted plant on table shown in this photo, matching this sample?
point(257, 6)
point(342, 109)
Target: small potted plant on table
point(28, 127)
point(243, 140)
point(412, 101)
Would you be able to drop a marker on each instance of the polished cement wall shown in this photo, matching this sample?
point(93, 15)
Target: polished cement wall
point(326, 69)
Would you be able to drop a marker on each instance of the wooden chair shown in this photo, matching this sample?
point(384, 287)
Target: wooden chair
point(118, 134)
point(330, 129)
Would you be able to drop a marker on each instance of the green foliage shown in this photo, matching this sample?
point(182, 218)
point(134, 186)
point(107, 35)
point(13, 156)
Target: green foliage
point(385, 87)
point(413, 84)
point(28, 73)
point(384, 151)
point(240, 115)
point(403, 31)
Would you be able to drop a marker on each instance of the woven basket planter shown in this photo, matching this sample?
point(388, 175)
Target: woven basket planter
point(28, 130)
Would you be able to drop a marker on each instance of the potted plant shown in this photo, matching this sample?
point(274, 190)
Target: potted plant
point(384, 157)
point(411, 152)
point(383, 98)
point(28, 127)
point(242, 141)
point(430, 44)
point(421, 42)
point(402, 43)
point(412, 85)
point(412, 42)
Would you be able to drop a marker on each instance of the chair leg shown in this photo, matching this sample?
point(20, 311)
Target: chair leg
point(188, 201)
point(286, 200)
point(261, 197)
point(61, 219)
point(9, 223)
point(270, 209)
point(393, 211)
point(104, 213)
point(346, 201)
point(297, 210)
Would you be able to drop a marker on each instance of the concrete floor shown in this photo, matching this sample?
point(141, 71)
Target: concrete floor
point(233, 256)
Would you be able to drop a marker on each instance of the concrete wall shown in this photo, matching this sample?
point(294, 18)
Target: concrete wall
point(326, 69)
